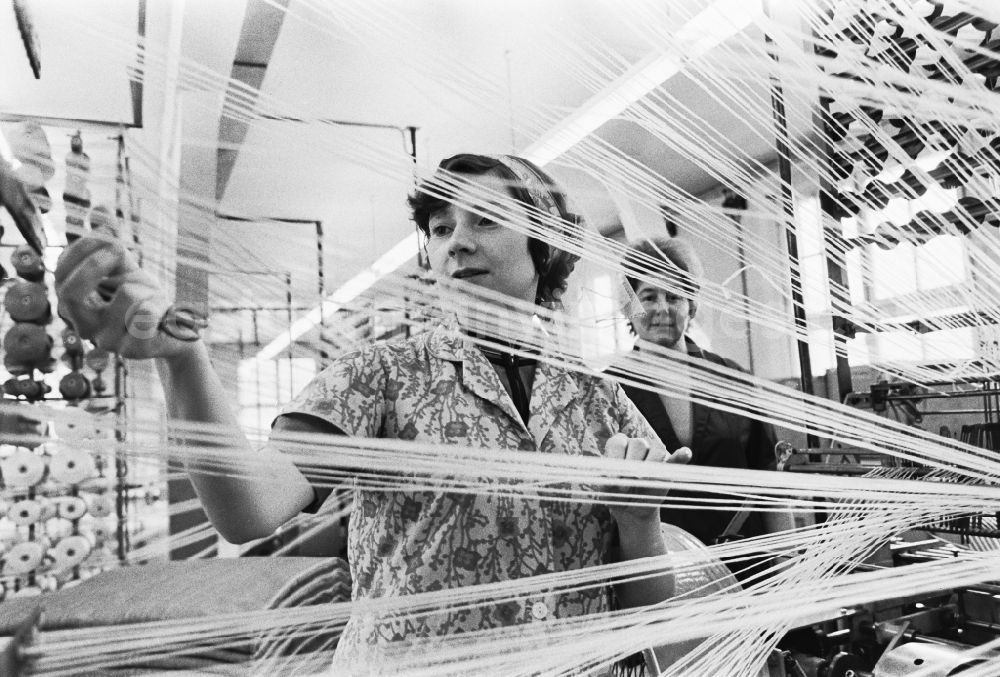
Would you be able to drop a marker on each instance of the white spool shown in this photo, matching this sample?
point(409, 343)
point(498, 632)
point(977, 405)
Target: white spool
point(104, 426)
point(22, 469)
point(23, 558)
point(101, 505)
point(71, 466)
point(102, 531)
point(71, 507)
point(26, 512)
point(70, 552)
point(75, 425)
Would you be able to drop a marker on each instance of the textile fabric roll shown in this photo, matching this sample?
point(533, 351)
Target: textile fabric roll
point(190, 590)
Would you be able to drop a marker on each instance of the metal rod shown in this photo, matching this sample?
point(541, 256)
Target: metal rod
point(421, 262)
point(288, 300)
point(939, 396)
point(736, 216)
point(88, 124)
point(263, 219)
point(263, 309)
point(788, 207)
point(332, 121)
point(121, 464)
point(321, 287)
point(837, 277)
point(135, 84)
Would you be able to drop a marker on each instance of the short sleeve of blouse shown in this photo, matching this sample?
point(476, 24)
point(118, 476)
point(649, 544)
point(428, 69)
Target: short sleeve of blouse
point(349, 394)
point(630, 421)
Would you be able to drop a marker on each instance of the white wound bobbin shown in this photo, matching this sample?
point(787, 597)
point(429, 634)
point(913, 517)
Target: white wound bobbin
point(101, 505)
point(103, 426)
point(22, 469)
point(71, 466)
point(25, 513)
point(70, 551)
point(71, 507)
point(23, 558)
point(102, 531)
point(74, 425)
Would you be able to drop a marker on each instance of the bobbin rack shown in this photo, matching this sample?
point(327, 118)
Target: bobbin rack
point(64, 497)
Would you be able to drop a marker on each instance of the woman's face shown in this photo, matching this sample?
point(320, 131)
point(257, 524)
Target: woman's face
point(667, 315)
point(480, 250)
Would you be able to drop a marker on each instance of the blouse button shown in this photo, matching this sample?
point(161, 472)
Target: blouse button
point(539, 611)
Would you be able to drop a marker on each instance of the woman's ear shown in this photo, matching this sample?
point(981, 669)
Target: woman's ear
point(692, 309)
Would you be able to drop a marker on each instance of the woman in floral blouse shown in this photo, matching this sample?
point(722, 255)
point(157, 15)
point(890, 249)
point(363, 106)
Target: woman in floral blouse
point(437, 387)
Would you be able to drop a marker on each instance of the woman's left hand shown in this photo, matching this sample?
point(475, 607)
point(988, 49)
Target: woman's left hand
point(646, 450)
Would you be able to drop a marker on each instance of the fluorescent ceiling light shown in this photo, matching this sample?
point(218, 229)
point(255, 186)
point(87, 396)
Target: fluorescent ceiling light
point(718, 22)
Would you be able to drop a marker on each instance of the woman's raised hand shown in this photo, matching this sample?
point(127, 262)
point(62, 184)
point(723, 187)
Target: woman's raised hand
point(111, 301)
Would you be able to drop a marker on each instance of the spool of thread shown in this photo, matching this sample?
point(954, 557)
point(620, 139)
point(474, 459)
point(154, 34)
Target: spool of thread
point(25, 513)
point(75, 424)
point(71, 508)
point(27, 263)
point(26, 347)
point(28, 302)
point(71, 466)
point(26, 388)
point(102, 531)
point(74, 386)
point(69, 552)
point(98, 384)
point(22, 469)
point(72, 342)
point(104, 427)
point(101, 505)
point(97, 359)
point(23, 558)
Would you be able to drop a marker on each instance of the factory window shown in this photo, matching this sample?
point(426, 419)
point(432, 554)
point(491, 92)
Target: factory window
point(267, 385)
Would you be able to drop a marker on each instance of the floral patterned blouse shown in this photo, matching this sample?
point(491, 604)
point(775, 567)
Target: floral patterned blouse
point(439, 388)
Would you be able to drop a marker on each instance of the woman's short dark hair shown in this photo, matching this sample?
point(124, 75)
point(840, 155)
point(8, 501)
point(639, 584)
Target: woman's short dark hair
point(552, 264)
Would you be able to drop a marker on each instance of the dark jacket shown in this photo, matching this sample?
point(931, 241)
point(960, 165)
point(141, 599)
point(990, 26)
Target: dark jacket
point(718, 438)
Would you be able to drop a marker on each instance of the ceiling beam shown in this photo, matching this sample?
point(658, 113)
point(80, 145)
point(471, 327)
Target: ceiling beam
point(261, 27)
